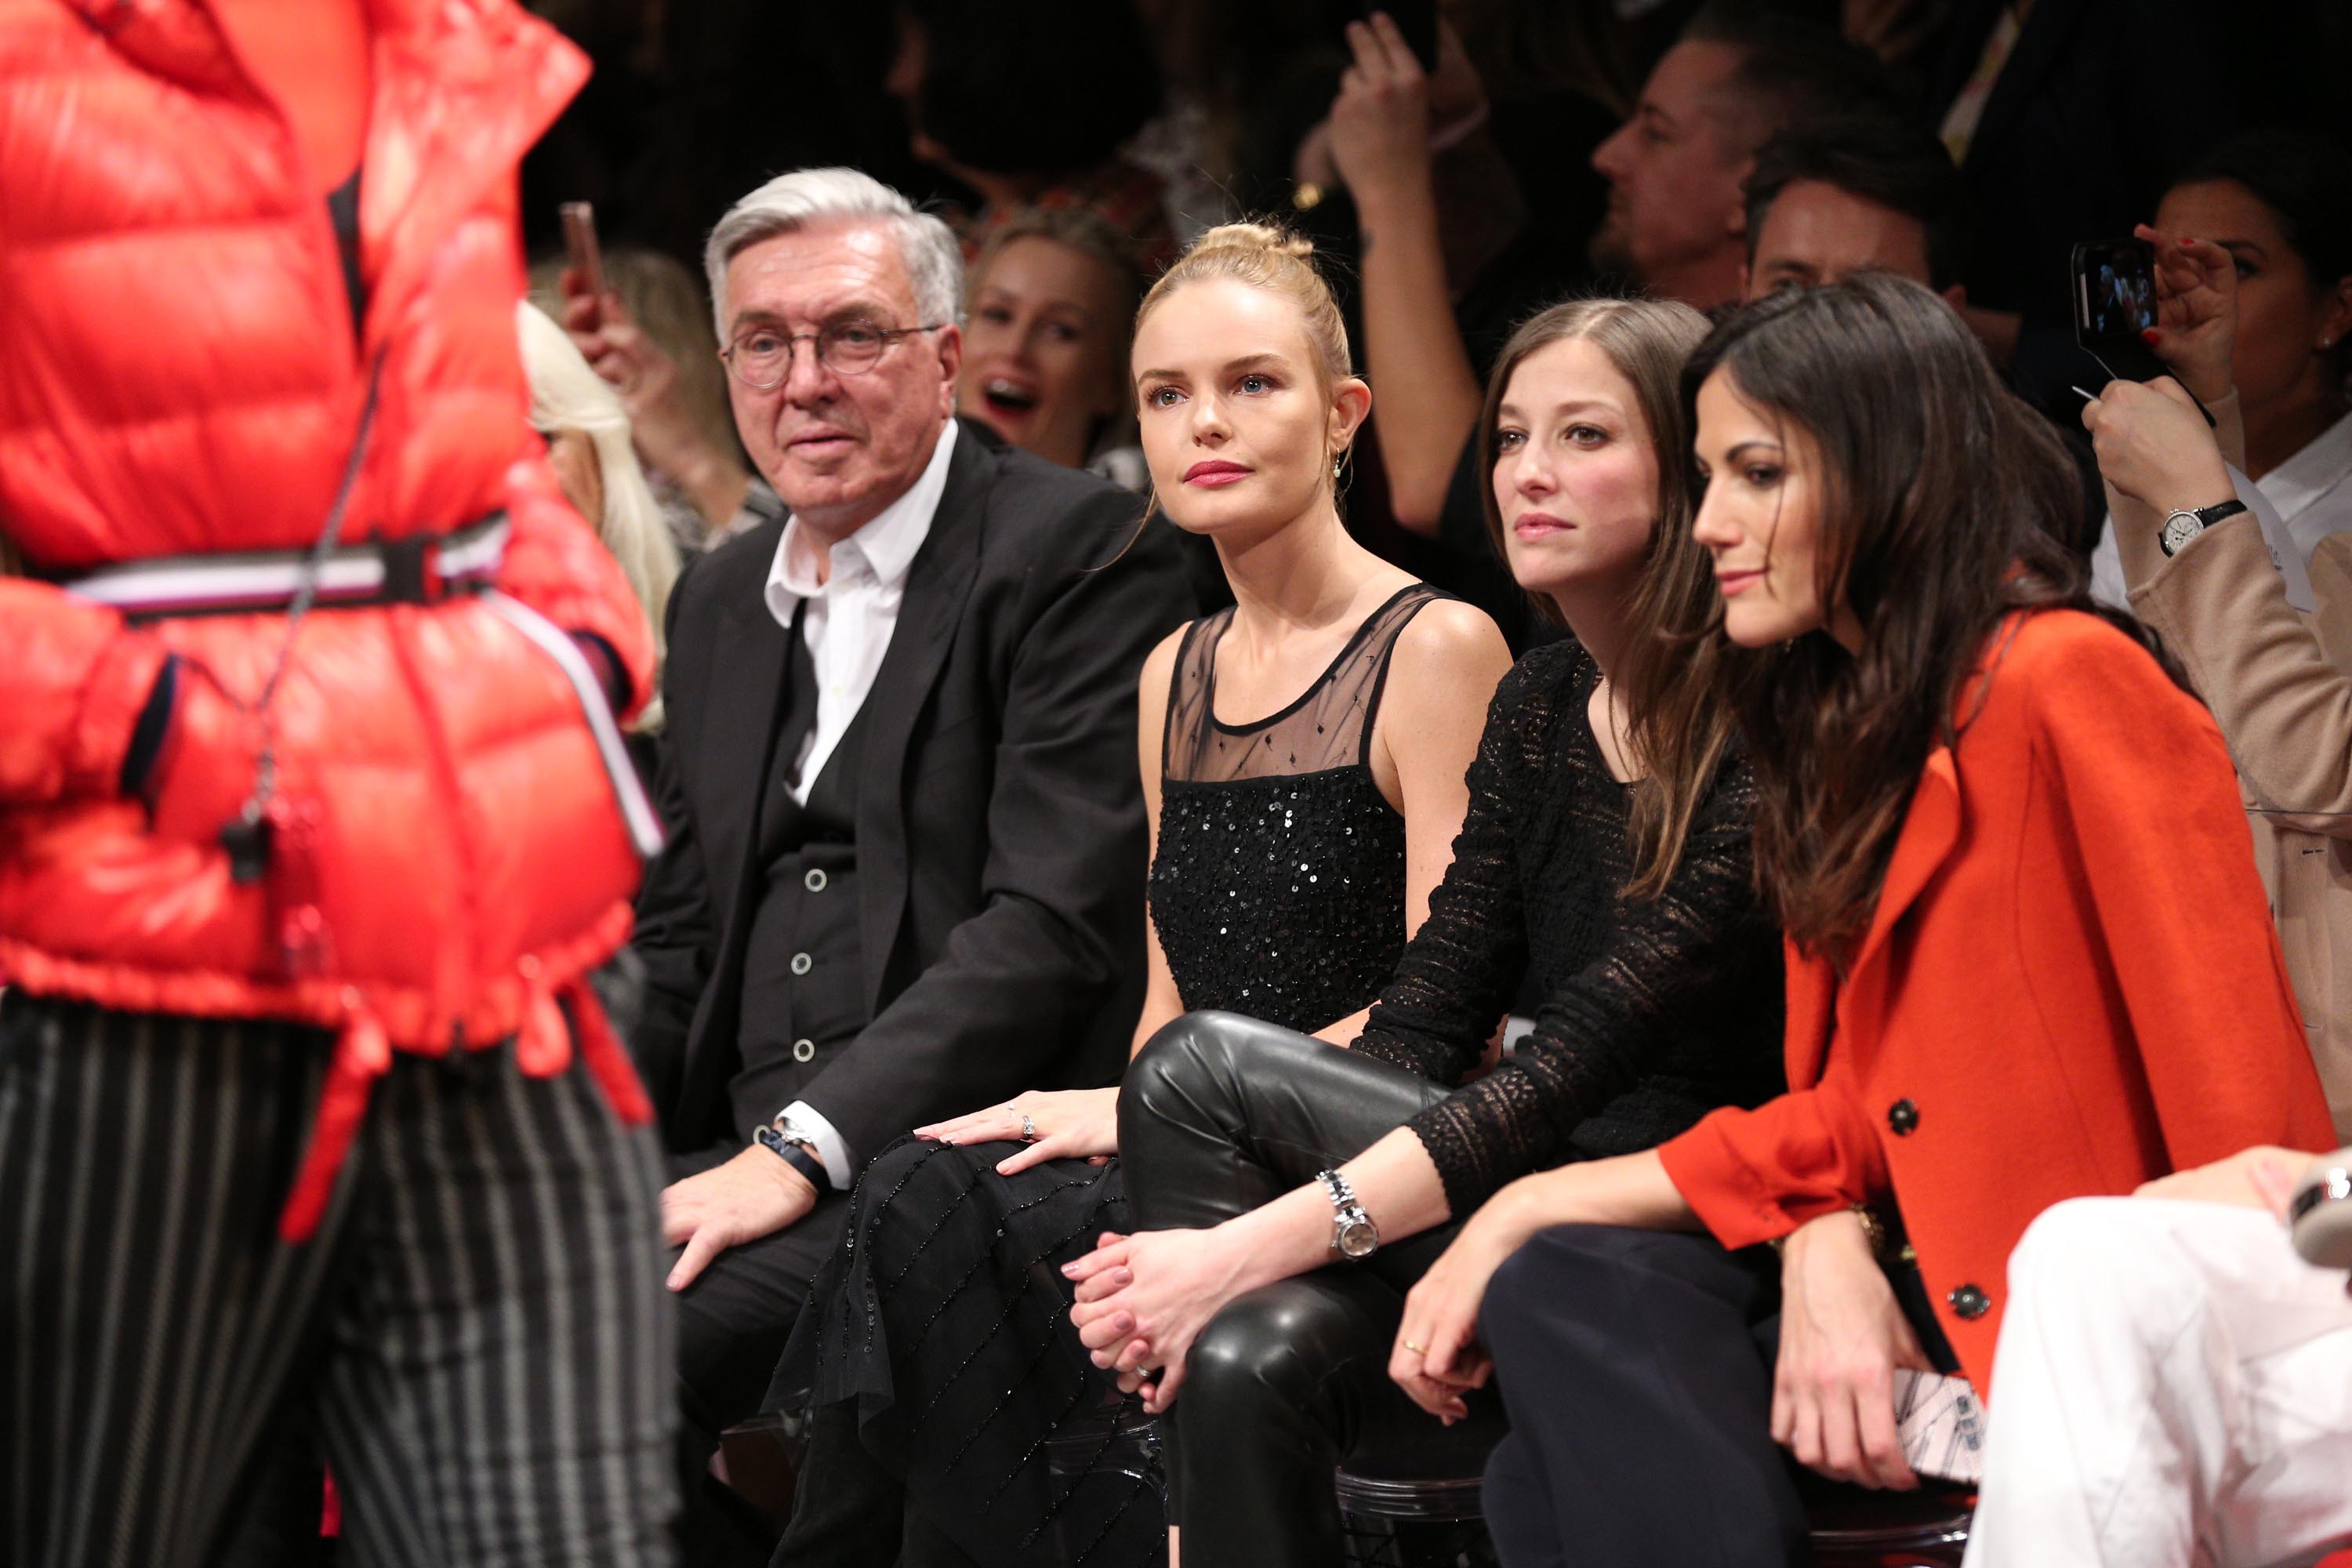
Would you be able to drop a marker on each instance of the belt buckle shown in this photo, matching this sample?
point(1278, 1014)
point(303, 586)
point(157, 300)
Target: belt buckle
point(407, 576)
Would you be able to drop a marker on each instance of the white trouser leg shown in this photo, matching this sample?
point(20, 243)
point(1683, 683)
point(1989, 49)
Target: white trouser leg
point(2172, 1386)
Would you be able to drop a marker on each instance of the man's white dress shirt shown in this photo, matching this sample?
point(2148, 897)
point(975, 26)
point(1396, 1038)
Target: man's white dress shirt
point(847, 627)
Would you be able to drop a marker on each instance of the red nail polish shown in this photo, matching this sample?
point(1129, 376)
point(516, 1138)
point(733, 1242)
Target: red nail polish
point(2151, 337)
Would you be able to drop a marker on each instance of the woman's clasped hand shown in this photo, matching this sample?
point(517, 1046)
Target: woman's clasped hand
point(1142, 1299)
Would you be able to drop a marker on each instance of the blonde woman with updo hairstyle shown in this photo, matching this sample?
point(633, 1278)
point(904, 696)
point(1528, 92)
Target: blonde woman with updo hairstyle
point(1304, 755)
point(1288, 1199)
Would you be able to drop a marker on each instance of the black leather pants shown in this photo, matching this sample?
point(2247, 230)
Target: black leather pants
point(1218, 1115)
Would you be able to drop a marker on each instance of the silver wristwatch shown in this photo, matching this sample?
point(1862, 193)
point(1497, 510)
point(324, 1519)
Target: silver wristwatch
point(2184, 523)
point(1353, 1233)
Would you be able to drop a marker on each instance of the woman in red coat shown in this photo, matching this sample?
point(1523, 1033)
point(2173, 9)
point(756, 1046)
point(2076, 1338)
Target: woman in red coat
point(2029, 958)
point(308, 831)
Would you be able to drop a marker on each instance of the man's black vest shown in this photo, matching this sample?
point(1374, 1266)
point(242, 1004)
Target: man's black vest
point(802, 966)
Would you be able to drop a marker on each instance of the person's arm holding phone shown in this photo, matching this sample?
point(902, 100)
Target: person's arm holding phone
point(2217, 599)
point(1379, 140)
point(666, 434)
point(2220, 608)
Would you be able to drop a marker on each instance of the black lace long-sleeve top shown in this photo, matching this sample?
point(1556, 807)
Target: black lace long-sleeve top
point(1653, 1012)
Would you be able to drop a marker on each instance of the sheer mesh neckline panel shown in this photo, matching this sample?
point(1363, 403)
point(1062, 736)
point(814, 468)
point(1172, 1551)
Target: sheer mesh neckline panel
point(1329, 725)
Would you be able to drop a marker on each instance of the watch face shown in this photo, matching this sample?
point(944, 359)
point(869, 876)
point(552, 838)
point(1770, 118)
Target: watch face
point(2180, 529)
point(1357, 1239)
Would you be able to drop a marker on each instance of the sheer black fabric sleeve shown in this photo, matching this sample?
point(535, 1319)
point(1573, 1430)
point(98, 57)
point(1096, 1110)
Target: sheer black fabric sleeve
point(1459, 972)
point(1684, 965)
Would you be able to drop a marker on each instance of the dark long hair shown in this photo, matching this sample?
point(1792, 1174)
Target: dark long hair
point(1942, 501)
point(1679, 725)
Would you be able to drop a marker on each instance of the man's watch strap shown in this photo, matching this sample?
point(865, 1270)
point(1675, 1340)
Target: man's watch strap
point(795, 1152)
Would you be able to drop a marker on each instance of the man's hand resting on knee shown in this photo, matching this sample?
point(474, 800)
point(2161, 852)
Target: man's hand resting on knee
point(751, 1195)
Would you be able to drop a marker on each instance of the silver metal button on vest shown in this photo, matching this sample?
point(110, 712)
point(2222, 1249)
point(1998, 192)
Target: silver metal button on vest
point(803, 1050)
point(1903, 1116)
point(1970, 1302)
point(802, 963)
point(815, 880)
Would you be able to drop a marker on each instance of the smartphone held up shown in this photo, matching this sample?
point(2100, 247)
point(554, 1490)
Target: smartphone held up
point(580, 249)
point(2113, 283)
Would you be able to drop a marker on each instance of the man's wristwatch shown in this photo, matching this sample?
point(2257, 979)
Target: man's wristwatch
point(2185, 523)
point(1353, 1233)
point(787, 1141)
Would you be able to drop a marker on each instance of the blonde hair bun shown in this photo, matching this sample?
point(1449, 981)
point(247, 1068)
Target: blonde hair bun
point(1269, 256)
point(1263, 237)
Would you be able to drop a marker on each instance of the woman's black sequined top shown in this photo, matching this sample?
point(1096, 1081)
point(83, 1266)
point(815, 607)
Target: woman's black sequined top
point(1278, 887)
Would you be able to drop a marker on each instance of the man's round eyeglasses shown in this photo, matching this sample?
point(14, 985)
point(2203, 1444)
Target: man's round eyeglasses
point(761, 358)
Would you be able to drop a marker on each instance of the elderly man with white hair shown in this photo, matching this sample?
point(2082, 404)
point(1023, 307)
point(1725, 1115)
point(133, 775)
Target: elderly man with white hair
point(907, 847)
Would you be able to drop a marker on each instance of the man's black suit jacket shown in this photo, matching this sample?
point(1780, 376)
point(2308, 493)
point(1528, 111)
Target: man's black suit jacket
point(1001, 843)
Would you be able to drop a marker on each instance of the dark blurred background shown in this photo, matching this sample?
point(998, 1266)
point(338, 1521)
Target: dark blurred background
point(1167, 116)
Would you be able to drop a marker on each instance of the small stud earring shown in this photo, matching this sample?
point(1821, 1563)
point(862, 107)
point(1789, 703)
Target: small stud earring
point(2328, 342)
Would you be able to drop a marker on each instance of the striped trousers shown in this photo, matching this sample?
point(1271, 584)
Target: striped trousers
point(478, 1333)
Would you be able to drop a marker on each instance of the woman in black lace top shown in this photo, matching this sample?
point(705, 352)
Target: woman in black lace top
point(1605, 851)
point(1303, 753)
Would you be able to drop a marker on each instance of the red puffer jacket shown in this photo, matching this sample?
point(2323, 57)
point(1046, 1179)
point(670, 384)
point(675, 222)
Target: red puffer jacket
point(181, 376)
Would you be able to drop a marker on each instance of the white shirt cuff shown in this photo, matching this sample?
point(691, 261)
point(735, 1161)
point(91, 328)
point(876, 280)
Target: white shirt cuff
point(832, 1151)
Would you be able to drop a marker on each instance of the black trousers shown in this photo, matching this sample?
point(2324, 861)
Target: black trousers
point(732, 1322)
point(477, 1333)
point(1637, 1369)
point(1219, 1115)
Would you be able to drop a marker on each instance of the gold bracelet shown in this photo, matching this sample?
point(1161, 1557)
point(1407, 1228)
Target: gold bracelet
point(1873, 1227)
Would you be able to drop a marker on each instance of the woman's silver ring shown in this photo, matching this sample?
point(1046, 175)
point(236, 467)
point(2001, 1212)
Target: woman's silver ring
point(1028, 1128)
